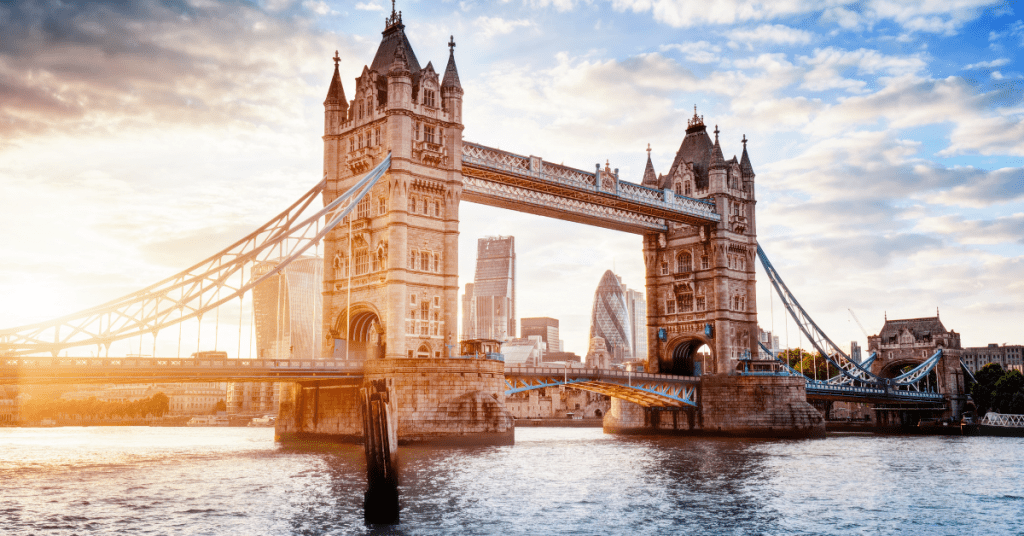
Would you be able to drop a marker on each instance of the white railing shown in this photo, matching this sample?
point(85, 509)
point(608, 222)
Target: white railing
point(1003, 419)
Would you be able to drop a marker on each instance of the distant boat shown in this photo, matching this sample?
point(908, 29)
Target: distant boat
point(1002, 424)
point(266, 420)
point(208, 420)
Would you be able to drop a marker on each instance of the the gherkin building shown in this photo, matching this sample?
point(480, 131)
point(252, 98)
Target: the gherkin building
point(610, 318)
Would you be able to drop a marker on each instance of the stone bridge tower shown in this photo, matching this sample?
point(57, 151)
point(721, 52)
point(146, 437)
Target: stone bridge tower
point(400, 251)
point(390, 297)
point(700, 280)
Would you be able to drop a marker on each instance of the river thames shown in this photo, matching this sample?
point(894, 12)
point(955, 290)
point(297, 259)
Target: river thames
point(238, 481)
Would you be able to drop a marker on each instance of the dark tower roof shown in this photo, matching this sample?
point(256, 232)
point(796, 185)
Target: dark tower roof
point(650, 177)
point(451, 74)
point(336, 93)
point(394, 39)
point(696, 148)
point(745, 167)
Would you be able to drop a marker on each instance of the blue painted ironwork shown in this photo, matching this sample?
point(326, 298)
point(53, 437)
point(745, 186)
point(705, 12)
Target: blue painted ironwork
point(649, 390)
point(847, 367)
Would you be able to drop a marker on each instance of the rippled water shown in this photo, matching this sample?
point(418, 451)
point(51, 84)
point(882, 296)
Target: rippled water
point(136, 480)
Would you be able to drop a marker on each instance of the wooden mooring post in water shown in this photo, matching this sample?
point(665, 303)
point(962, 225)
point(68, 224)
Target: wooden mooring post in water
point(381, 446)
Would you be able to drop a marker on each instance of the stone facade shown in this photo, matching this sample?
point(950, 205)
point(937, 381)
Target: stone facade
point(909, 342)
point(1009, 356)
point(395, 258)
point(742, 406)
point(700, 280)
point(556, 402)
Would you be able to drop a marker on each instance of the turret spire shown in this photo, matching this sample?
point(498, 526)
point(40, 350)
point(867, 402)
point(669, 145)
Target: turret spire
point(745, 168)
point(650, 177)
point(717, 159)
point(336, 93)
point(451, 74)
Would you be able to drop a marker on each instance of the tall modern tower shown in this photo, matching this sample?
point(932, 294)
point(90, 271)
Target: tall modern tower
point(637, 307)
point(489, 305)
point(610, 318)
point(543, 327)
point(288, 309)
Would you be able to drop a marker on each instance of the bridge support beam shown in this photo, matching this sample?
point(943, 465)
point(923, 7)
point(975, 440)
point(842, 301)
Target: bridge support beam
point(728, 406)
point(442, 401)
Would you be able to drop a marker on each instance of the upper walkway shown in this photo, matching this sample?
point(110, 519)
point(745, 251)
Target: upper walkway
point(529, 184)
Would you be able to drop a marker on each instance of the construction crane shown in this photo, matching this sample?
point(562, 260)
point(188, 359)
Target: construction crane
point(857, 320)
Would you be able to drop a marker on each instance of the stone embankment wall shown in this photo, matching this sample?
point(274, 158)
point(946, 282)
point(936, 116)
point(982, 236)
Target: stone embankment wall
point(746, 406)
point(448, 401)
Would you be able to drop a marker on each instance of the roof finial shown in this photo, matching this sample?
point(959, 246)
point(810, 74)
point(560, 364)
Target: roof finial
point(744, 140)
point(337, 59)
point(716, 134)
point(697, 121)
point(451, 44)
point(648, 150)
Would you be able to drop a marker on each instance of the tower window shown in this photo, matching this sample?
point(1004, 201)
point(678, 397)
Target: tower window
point(412, 299)
point(437, 209)
point(437, 263)
point(412, 259)
point(664, 268)
point(412, 204)
point(670, 306)
point(700, 303)
point(424, 261)
point(382, 206)
point(684, 262)
point(428, 134)
point(428, 98)
point(685, 303)
point(704, 262)
point(362, 261)
point(416, 131)
point(376, 136)
point(363, 208)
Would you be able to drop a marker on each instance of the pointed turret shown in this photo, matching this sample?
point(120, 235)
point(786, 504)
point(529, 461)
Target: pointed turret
point(335, 105)
point(745, 168)
point(650, 177)
point(336, 92)
point(695, 150)
point(451, 88)
point(717, 159)
point(451, 74)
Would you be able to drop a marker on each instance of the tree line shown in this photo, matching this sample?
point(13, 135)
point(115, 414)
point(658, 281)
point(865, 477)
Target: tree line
point(58, 408)
point(998, 390)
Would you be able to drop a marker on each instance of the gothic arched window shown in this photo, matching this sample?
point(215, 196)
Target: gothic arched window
point(684, 263)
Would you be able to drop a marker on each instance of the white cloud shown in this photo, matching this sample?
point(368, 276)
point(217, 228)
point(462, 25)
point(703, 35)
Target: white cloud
point(490, 27)
point(771, 33)
point(697, 52)
point(828, 64)
point(369, 6)
point(987, 64)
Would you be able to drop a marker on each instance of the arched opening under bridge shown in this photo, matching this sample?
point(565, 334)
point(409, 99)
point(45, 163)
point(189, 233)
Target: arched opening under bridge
point(365, 339)
point(896, 368)
point(690, 356)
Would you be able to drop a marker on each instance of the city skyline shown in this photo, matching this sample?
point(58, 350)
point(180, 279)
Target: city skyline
point(887, 143)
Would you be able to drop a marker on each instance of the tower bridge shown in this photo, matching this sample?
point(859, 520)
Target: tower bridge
point(396, 169)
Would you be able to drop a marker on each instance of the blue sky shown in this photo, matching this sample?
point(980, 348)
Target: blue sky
point(138, 137)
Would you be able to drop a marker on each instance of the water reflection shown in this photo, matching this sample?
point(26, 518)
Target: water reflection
point(552, 481)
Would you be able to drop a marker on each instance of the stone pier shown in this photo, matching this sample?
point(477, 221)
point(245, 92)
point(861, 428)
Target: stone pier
point(740, 406)
point(438, 401)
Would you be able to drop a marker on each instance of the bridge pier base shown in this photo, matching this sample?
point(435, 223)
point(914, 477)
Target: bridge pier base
point(441, 401)
point(740, 406)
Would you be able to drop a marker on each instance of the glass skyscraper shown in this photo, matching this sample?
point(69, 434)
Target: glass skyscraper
point(611, 319)
point(489, 305)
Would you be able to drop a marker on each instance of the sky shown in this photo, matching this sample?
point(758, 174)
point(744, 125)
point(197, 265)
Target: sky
point(137, 138)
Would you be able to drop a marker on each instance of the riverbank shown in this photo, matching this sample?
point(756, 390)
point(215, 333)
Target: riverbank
point(590, 422)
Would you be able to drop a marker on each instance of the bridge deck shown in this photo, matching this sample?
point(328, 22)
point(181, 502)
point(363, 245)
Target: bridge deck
point(41, 370)
point(529, 184)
